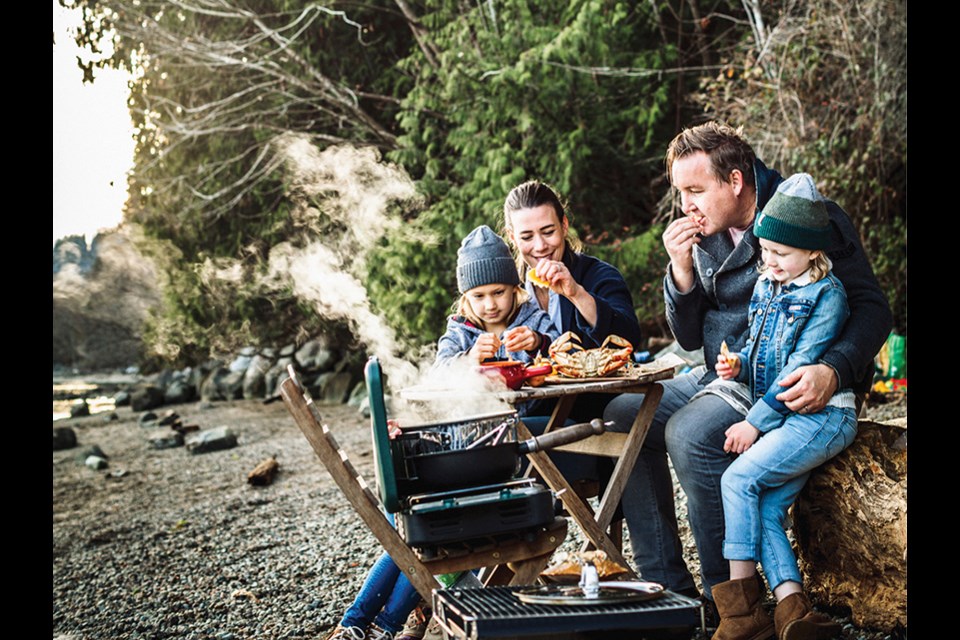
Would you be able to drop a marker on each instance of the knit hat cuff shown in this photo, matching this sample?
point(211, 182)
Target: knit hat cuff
point(777, 230)
point(487, 271)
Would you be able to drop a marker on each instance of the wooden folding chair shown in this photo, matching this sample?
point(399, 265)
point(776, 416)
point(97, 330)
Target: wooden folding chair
point(526, 556)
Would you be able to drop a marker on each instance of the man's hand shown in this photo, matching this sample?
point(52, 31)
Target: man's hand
point(809, 388)
point(678, 240)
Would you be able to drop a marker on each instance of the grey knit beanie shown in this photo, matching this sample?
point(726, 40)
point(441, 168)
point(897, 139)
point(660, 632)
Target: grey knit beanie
point(796, 215)
point(484, 258)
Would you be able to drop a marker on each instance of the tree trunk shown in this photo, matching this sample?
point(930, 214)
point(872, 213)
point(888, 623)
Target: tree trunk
point(850, 525)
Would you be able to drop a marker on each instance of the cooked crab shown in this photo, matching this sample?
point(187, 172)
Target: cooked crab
point(572, 360)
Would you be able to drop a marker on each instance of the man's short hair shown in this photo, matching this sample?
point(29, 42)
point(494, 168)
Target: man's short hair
point(722, 143)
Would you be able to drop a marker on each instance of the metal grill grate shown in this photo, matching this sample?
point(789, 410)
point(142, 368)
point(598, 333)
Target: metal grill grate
point(495, 612)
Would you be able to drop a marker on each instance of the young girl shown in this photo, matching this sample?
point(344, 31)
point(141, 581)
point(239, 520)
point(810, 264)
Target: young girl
point(494, 320)
point(495, 317)
point(797, 310)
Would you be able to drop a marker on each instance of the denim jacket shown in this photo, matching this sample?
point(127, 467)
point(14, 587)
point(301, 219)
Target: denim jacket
point(789, 328)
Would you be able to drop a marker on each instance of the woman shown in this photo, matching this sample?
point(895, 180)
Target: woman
point(586, 295)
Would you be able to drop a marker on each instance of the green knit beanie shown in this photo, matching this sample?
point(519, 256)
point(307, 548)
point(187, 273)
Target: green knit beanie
point(796, 215)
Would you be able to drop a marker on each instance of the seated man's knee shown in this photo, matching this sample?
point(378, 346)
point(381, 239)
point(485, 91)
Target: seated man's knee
point(622, 411)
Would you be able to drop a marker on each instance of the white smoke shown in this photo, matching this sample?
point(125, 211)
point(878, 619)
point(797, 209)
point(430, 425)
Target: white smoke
point(350, 200)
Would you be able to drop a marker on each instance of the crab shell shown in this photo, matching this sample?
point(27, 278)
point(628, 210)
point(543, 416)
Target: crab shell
point(573, 361)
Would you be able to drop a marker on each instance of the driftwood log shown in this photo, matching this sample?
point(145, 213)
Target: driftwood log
point(264, 472)
point(850, 526)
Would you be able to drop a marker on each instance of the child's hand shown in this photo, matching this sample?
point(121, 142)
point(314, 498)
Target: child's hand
point(740, 437)
point(393, 428)
point(724, 368)
point(521, 339)
point(485, 347)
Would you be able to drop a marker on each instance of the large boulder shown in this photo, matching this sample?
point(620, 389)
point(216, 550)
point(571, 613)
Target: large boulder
point(276, 373)
point(243, 359)
point(64, 438)
point(315, 356)
point(216, 439)
point(332, 388)
point(850, 524)
point(180, 391)
point(255, 377)
point(222, 384)
point(146, 397)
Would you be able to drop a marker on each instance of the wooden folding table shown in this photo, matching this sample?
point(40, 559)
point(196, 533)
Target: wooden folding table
point(625, 447)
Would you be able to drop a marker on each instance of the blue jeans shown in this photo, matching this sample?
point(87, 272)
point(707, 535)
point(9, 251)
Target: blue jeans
point(386, 597)
point(693, 434)
point(761, 484)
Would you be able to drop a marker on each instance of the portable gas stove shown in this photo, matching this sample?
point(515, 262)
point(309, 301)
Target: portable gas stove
point(469, 515)
point(505, 612)
point(459, 512)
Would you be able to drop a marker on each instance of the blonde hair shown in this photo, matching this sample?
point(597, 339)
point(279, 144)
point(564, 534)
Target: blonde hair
point(819, 267)
point(462, 306)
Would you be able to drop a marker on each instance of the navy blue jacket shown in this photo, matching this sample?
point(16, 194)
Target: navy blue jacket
point(615, 311)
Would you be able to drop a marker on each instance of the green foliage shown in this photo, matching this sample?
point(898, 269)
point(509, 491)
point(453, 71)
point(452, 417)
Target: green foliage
point(518, 95)
point(471, 99)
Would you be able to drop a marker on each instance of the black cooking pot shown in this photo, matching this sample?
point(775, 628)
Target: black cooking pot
point(481, 465)
point(461, 433)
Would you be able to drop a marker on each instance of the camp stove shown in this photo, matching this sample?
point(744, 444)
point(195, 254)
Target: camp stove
point(462, 514)
point(471, 515)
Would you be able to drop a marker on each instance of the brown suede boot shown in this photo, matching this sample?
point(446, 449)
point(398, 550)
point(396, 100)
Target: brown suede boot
point(741, 616)
point(795, 619)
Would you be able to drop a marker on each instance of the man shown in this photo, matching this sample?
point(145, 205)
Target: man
point(707, 288)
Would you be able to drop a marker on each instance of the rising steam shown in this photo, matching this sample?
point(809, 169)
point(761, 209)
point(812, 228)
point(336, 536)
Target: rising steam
point(348, 200)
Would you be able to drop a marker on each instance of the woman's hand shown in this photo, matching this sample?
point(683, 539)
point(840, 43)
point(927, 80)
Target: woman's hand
point(725, 370)
point(521, 339)
point(558, 276)
point(740, 437)
point(561, 281)
point(485, 347)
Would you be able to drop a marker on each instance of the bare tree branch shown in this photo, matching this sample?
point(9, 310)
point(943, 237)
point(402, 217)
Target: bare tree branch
point(420, 34)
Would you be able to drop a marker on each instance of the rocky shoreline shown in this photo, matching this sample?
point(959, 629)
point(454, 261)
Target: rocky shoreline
point(165, 543)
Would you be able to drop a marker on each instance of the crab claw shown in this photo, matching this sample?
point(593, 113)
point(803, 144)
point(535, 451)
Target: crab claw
point(569, 341)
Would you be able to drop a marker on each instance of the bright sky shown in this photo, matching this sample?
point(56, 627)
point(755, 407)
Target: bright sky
point(92, 140)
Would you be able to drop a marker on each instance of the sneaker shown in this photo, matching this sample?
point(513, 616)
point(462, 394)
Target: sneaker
point(416, 626)
point(374, 632)
point(347, 633)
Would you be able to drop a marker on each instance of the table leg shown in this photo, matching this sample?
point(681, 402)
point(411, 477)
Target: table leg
point(621, 472)
point(576, 506)
point(355, 488)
